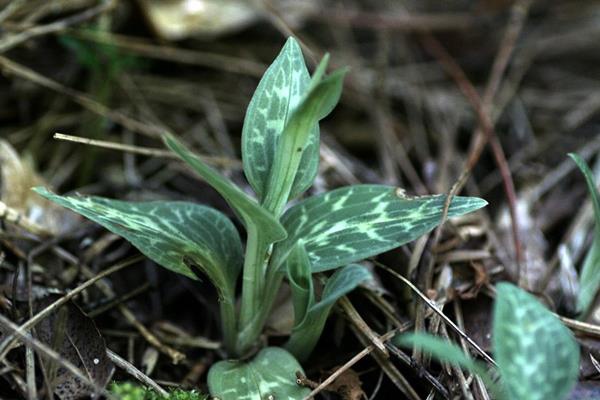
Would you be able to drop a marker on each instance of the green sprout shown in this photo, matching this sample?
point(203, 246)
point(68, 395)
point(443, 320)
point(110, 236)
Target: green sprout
point(330, 231)
point(537, 356)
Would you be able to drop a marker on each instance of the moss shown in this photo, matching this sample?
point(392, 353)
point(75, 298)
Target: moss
point(130, 391)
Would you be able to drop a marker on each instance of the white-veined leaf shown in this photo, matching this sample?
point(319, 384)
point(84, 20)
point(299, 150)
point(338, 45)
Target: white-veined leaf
point(271, 373)
point(278, 94)
point(307, 331)
point(590, 272)
point(172, 233)
point(355, 222)
point(537, 355)
point(321, 98)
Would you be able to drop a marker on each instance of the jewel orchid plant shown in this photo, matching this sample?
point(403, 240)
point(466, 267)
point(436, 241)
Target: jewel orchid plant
point(288, 239)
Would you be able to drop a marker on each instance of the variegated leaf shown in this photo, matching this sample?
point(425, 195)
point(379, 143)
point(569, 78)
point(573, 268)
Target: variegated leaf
point(269, 375)
point(172, 233)
point(278, 94)
point(537, 355)
point(308, 330)
point(321, 97)
point(355, 222)
point(590, 272)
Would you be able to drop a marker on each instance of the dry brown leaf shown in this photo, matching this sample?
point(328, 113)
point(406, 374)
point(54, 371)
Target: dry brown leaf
point(17, 177)
point(348, 385)
point(180, 19)
point(562, 284)
point(75, 337)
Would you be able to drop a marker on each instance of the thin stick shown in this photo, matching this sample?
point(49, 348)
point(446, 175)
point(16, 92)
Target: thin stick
point(361, 325)
point(176, 356)
point(81, 99)
point(469, 91)
point(383, 338)
point(174, 54)
point(133, 371)
point(57, 26)
point(435, 308)
point(224, 161)
point(590, 329)
point(7, 343)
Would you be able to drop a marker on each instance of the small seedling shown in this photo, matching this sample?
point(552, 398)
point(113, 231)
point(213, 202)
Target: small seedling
point(330, 231)
point(537, 356)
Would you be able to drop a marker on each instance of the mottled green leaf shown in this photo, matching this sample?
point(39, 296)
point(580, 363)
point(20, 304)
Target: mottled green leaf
point(355, 222)
point(271, 373)
point(278, 94)
point(322, 96)
point(307, 331)
point(172, 233)
point(536, 354)
point(590, 272)
point(252, 214)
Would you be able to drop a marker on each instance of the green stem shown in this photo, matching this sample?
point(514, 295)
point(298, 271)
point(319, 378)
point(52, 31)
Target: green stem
point(228, 322)
point(249, 333)
point(252, 287)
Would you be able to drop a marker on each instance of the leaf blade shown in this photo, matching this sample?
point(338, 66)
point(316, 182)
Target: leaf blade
point(356, 222)
point(167, 231)
point(321, 98)
point(590, 271)
point(537, 355)
point(300, 281)
point(306, 332)
point(271, 373)
point(279, 92)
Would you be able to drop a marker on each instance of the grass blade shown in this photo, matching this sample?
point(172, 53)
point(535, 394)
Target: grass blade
point(590, 272)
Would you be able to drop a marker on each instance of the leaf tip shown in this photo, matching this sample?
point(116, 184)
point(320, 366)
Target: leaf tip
point(42, 191)
point(480, 203)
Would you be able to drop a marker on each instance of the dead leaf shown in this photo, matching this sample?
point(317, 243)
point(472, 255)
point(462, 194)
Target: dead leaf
point(75, 337)
point(477, 316)
point(180, 19)
point(348, 385)
point(17, 177)
point(174, 20)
